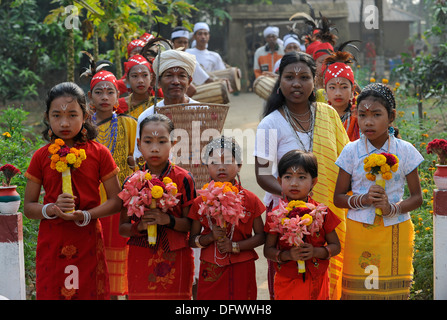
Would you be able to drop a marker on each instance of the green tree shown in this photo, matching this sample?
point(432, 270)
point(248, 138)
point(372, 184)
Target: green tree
point(122, 18)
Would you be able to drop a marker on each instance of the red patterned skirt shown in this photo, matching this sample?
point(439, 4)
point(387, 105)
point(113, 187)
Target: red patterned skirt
point(159, 275)
point(231, 282)
point(70, 262)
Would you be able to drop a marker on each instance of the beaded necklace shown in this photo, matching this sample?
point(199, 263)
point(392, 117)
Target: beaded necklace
point(292, 123)
point(108, 136)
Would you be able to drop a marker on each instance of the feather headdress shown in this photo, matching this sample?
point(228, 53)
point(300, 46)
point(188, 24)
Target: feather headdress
point(93, 68)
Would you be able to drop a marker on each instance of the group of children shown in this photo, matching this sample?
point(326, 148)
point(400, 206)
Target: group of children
point(111, 250)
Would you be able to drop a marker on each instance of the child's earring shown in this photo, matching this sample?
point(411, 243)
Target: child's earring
point(50, 133)
point(92, 107)
point(84, 133)
point(141, 162)
point(277, 90)
point(115, 107)
point(353, 101)
point(391, 131)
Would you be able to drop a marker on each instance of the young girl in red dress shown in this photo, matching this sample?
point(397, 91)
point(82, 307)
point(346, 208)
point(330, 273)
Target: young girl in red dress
point(70, 261)
point(227, 262)
point(164, 270)
point(298, 174)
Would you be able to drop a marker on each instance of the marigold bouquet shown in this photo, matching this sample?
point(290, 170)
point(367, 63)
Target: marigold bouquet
point(379, 167)
point(144, 190)
point(63, 158)
point(9, 171)
point(296, 219)
point(222, 202)
point(438, 146)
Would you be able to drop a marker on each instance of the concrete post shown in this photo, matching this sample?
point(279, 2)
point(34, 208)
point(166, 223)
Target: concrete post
point(12, 261)
point(440, 244)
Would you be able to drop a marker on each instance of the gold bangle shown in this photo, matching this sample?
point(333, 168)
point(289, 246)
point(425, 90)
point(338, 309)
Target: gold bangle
point(197, 241)
point(235, 247)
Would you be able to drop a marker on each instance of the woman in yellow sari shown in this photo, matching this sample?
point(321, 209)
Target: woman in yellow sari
point(293, 120)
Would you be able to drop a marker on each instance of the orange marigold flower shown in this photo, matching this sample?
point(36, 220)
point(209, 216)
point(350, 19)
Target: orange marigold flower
point(59, 142)
point(53, 148)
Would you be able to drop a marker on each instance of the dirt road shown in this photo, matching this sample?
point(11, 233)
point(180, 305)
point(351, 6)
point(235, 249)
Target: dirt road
point(245, 114)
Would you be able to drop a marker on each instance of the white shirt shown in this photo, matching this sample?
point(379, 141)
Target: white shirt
point(146, 113)
point(200, 76)
point(210, 60)
point(274, 138)
point(351, 161)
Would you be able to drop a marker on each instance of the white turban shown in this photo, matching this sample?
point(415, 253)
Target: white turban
point(180, 34)
point(201, 25)
point(290, 40)
point(271, 30)
point(175, 58)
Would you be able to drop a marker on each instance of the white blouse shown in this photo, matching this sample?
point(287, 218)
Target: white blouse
point(351, 161)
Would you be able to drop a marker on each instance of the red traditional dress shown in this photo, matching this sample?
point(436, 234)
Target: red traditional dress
point(164, 271)
point(289, 284)
point(70, 260)
point(229, 276)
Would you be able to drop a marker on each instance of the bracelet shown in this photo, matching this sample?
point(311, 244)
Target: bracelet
point(394, 210)
point(87, 218)
point(357, 201)
point(329, 253)
point(45, 214)
point(278, 256)
point(197, 241)
point(235, 247)
point(171, 224)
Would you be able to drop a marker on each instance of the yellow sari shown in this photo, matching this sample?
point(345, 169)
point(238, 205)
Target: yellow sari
point(135, 111)
point(380, 258)
point(328, 141)
point(116, 247)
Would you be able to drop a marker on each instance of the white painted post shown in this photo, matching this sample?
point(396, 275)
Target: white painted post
point(440, 244)
point(12, 261)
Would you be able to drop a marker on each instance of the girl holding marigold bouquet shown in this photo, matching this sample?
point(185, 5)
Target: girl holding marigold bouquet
point(379, 232)
point(314, 239)
point(163, 270)
point(227, 261)
point(70, 233)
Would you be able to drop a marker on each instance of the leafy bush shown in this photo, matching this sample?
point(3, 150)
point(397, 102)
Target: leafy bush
point(17, 144)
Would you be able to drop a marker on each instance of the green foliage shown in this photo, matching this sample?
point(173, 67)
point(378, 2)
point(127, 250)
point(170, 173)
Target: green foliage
point(419, 132)
point(17, 148)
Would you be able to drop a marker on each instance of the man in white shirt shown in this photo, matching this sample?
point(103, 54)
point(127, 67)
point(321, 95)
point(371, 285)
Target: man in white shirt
point(180, 39)
point(209, 60)
point(267, 55)
point(176, 70)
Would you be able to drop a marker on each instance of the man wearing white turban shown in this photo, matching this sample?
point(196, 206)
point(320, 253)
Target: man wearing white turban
point(291, 43)
point(175, 69)
point(266, 56)
point(180, 39)
point(209, 60)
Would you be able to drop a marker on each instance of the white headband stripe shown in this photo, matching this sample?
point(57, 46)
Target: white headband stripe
point(180, 34)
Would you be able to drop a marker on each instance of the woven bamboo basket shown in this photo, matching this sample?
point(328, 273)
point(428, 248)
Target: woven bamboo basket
point(190, 121)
